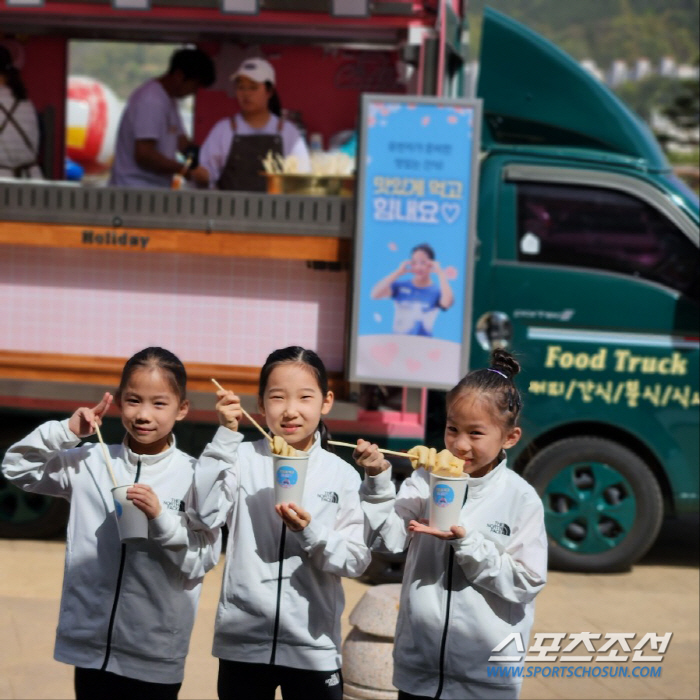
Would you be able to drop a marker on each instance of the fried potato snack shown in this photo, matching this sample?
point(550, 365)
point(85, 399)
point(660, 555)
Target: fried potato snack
point(448, 465)
point(442, 463)
point(422, 456)
point(281, 447)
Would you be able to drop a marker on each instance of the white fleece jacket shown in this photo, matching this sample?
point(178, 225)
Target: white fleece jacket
point(281, 598)
point(461, 598)
point(125, 608)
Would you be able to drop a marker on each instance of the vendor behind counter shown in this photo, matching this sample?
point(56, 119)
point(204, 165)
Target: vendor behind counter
point(235, 148)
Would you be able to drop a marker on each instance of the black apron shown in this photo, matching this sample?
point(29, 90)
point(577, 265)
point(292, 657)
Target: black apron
point(22, 170)
point(244, 163)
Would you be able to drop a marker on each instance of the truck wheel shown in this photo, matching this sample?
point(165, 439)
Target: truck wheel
point(602, 505)
point(29, 515)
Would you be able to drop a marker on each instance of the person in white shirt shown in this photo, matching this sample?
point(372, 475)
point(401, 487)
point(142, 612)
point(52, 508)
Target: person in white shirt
point(233, 152)
point(127, 608)
point(278, 622)
point(151, 132)
point(465, 590)
point(19, 126)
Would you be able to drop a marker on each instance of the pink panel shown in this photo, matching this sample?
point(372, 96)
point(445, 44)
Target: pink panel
point(205, 309)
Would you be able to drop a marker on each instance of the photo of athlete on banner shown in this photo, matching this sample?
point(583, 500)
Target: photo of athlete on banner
point(415, 239)
point(418, 300)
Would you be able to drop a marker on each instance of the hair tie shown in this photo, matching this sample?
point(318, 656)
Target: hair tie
point(497, 371)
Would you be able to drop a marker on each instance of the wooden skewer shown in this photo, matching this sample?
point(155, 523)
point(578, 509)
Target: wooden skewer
point(106, 454)
point(381, 449)
point(245, 413)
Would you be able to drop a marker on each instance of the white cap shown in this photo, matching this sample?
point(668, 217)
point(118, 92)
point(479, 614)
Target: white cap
point(257, 69)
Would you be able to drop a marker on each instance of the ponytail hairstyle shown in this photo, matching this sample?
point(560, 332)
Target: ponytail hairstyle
point(157, 358)
point(274, 104)
point(295, 354)
point(12, 76)
point(495, 382)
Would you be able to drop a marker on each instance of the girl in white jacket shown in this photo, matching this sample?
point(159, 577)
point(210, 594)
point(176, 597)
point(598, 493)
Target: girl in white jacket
point(127, 609)
point(278, 622)
point(464, 590)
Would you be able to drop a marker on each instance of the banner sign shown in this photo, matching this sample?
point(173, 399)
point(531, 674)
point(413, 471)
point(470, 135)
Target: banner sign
point(414, 243)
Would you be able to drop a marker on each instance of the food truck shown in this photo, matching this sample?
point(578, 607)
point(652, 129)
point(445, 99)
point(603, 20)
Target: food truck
point(584, 257)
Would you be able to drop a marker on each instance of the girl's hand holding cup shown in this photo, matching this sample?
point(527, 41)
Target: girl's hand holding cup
point(82, 422)
point(294, 517)
point(229, 409)
point(456, 532)
point(368, 456)
point(145, 499)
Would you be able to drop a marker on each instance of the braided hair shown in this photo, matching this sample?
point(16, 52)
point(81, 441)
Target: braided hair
point(495, 382)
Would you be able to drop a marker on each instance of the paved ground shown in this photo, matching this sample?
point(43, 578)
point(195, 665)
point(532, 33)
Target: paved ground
point(660, 595)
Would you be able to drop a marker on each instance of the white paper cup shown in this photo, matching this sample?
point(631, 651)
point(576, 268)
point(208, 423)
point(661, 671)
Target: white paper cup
point(446, 500)
point(132, 522)
point(290, 475)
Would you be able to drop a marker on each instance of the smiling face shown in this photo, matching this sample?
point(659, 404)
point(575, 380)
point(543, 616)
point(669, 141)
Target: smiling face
point(252, 97)
point(293, 404)
point(150, 407)
point(421, 265)
point(474, 433)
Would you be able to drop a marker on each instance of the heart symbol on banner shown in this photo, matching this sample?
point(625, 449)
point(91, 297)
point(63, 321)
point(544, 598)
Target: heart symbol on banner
point(385, 354)
point(413, 365)
point(450, 212)
point(434, 355)
point(452, 119)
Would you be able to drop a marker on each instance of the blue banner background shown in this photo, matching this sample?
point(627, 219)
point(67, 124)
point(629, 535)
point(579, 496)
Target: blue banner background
point(417, 189)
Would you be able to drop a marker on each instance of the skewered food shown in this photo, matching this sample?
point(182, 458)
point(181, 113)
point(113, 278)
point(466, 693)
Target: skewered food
point(281, 447)
point(442, 463)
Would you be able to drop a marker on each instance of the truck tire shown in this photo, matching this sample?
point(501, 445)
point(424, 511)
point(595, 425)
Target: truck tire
point(602, 505)
point(29, 515)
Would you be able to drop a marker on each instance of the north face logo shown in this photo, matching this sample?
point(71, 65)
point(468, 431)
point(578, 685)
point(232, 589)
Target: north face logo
point(330, 496)
point(499, 528)
point(175, 504)
point(333, 680)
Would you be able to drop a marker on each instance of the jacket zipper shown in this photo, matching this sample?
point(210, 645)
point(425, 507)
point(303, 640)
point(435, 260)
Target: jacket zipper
point(443, 641)
point(279, 595)
point(113, 614)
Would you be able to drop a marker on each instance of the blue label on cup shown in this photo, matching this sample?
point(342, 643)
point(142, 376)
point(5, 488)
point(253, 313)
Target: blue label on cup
point(287, 477)
point(443, 495)
point(118, 508)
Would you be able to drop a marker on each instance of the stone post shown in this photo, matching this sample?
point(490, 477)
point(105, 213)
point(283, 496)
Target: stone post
point(367, 652)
